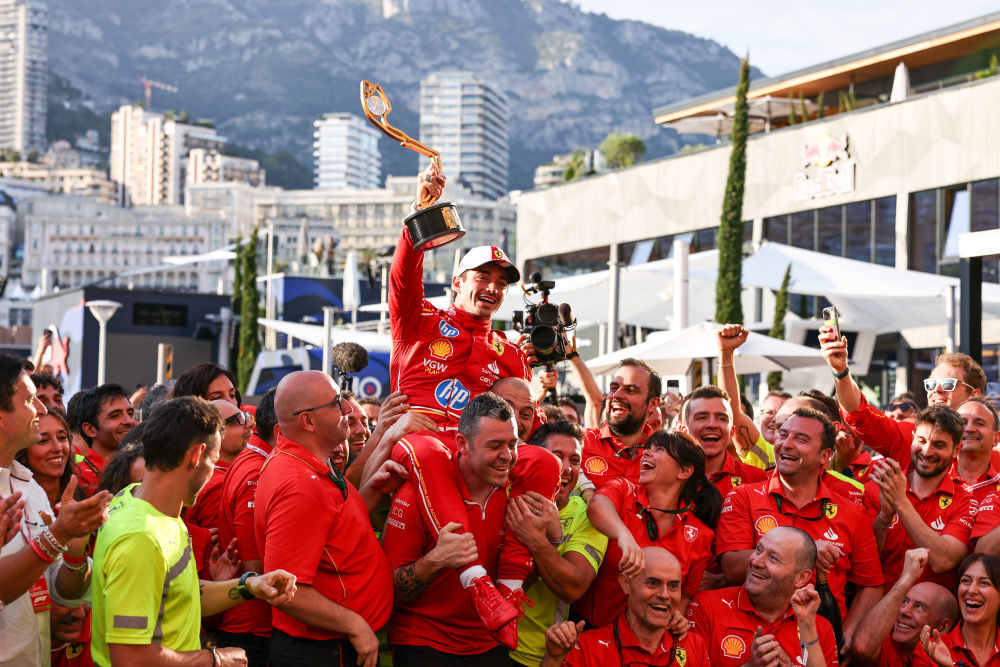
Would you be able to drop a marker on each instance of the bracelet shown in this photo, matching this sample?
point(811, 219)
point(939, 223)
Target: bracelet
point(725, 365)
point(52, 541)
point(572, 355)
point(36, 547)
point(879, 519)
point(75, 560)
point(808, 644)
point(215, 656)
point(242, 586)
point(78, 568)
point(46, 546)
point(842, 374)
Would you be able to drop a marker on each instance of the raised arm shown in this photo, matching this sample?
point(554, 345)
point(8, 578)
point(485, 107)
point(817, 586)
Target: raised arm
point(877, 622)
point(729, 338)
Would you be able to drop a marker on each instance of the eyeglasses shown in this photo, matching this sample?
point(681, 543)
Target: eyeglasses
point(336, 401)
point(905, 406)
point(241, 418)
point(946, 384)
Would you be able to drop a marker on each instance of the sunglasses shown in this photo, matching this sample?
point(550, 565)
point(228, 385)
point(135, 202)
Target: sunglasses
point(946, 384)
point(241, 418)
point(335, 401)
point(905, 406)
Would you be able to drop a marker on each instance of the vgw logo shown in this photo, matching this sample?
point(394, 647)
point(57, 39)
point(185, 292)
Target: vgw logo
point(452, 394)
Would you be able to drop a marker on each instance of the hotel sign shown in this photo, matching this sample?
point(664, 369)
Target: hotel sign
point(826, 169)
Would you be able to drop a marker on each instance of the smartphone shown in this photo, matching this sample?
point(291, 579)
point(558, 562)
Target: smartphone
point(831, 318)
point(674, 387)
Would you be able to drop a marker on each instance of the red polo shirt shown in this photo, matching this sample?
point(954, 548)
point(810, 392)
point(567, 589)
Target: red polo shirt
point(892, 655)
point(960, 654)
point(304, 525)
point(239, 490)
point(979, 488)
point(883, 434)
point(688, 539)
point(734, 473)
point(444, 617)
point(600, 647)
point(752, 509)
point(948, 510)
point(205, 511)
point(605, 456)
point(987, 514)
point(726, 620)
point(89, 471)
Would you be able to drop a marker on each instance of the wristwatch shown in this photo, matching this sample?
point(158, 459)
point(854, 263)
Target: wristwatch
point(242, 586)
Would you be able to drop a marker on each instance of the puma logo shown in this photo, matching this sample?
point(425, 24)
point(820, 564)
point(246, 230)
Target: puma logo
point(604, 643)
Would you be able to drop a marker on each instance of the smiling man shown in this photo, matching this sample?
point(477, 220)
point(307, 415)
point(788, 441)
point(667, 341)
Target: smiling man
point(640, 635)
point(105, 415)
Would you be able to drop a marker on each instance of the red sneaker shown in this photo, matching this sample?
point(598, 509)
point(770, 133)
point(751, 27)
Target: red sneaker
point(494, 611)
point(507, 635)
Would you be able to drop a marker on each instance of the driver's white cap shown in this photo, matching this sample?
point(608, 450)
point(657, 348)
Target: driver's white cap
point(488, 254)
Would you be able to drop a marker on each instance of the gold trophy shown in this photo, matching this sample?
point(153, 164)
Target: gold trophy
point(432, 225)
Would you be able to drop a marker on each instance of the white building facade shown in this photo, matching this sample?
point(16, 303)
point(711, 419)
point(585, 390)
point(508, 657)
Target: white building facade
point(466, 120)
point(23, 74)
point(345, 152)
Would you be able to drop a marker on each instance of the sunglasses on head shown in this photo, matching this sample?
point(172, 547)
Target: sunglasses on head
point(905, 406)
point(946, 384)
point(241, 418)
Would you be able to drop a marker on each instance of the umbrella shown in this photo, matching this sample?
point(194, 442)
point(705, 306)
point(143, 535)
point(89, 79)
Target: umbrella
point(313, 334)
point(718, 125)
point(768, 108)
point(351, 295)
point(900, 84)
point(671, 352)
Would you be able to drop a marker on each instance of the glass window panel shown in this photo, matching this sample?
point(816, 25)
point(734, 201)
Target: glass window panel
point(747, 231)
point(776, 229)
point(704, 239)
point(923, 228)
point(956, 216)
point(804, 230)
point(985, 205)
point(859, 231)
point(885, 231)
point(830, 235)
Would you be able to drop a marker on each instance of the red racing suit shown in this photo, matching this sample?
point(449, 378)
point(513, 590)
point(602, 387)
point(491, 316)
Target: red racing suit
point(441, 359)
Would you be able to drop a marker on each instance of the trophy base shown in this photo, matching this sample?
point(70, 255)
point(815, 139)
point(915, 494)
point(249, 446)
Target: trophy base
point(434, 226)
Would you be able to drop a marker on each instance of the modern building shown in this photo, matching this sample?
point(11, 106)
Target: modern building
point(580, 163)
point(149, 154)
point(24, 38)
point(71, 241)
point(210, 166)
point(888, 180)
point(466, 120)
point(88, 182)
point(345, 152)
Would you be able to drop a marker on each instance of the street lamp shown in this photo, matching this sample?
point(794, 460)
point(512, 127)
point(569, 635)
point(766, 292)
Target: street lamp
point(102, 312)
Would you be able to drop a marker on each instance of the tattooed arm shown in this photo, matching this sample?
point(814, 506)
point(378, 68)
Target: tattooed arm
point(452, 550)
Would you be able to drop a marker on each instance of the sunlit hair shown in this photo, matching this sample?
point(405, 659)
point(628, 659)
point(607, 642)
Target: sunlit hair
point(686, 451)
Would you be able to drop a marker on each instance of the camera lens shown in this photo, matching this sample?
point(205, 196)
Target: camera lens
point(547, 314)
point(543, 338)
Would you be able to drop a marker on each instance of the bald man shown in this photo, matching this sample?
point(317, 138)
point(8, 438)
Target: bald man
point(238, 426)
point(890, 631)
point(640, 635)
point(310, 518)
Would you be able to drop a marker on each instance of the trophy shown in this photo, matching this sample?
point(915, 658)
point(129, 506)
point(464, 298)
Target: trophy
point(432, 225)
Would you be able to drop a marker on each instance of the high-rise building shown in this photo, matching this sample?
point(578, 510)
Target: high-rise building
point(24, 39)
point(466, 120)
point(149, 153)
point(345, 148)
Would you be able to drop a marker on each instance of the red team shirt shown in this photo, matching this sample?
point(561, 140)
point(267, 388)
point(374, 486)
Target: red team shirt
point(441, 358)
point(960, 654)
point(304, 525)
point(89, 471)
point(205, 511)
point(600, 648)
point(689, 540)
point(735, 473)
point(987, 514)
point(444, 617)
point(752, 509)
point(606, 457)
point(239, 491)
point(726, 620)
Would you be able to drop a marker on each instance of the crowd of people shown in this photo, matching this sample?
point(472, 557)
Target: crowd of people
point(462, 521)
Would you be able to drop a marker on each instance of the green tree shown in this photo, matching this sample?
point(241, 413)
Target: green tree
point(622, 150)
point(728, 286)
point(249, 311)
point(236, 304)
point(774, 378)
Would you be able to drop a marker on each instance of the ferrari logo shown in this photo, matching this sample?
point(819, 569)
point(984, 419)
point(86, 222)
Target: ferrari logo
point(497, 253)
point(736, 481)
point(680, 656)
point(498, 347)
point(944, 501)
point(831, 511)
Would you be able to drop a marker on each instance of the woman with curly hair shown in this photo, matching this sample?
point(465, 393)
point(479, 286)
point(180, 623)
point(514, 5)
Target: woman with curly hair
point(51, 458)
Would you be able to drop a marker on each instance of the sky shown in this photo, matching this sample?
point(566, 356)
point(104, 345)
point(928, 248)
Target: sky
point(790, 35)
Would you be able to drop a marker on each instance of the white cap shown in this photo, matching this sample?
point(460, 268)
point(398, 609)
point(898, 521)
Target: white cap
point(488, 254)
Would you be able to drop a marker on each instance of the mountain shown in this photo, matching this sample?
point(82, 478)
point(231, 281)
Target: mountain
point(264, 70)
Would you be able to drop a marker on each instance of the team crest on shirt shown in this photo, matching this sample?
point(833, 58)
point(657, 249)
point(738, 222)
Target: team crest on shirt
point(447, 330)
point(690, 533)
point(441, 349)
point(498, 347)
point(74, 650)
point(944, 501)
point(733, 646)
point(736, 481)
point(680, 656)
point(831, 510)
point(763, 525)
point(596, 465)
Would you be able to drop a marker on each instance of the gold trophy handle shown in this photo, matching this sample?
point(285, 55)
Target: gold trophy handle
point(377, 107)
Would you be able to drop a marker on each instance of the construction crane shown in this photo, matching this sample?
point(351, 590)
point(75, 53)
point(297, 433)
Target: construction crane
point(149, 84)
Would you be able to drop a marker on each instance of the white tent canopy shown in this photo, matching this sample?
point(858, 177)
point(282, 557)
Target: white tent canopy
point(313, 334)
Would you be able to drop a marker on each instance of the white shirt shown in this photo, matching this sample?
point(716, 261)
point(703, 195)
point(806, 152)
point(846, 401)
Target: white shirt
point(24, 635)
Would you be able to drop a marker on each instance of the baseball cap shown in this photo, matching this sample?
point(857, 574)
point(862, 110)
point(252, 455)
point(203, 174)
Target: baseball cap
point(488, 254)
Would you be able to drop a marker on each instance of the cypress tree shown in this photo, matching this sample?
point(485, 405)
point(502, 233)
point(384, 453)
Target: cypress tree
point(728, 286)
point(235, 303)
point(249, 311)
point(774, 378)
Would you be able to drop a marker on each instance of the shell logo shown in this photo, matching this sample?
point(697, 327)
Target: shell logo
point(944, 501)
point(441, 349)
point(733, 646)
point(765, 523)
point(831, 511)
point(596, 465)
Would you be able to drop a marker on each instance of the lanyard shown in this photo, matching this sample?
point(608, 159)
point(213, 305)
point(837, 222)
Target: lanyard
point(333, 474)
point(651, 529)
point(621, 652)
